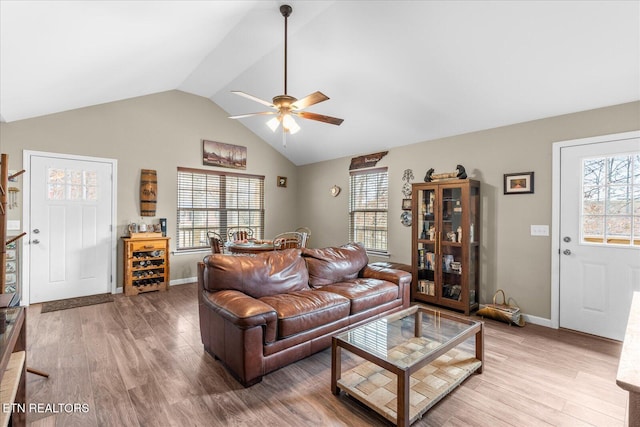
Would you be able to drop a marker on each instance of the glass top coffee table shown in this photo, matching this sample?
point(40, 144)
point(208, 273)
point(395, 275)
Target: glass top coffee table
point(413, 358)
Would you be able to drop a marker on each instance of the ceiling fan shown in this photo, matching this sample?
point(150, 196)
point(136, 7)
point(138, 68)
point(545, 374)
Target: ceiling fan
point(286, 106)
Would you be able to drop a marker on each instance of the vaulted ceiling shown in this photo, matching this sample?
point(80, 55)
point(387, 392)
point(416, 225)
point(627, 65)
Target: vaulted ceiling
point(397, 72)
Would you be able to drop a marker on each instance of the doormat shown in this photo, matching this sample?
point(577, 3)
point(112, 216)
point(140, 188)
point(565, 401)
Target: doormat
point(64, 304)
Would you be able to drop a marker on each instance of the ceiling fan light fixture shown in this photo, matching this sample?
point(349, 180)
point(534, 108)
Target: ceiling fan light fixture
point(274, 123)
point(289, 124)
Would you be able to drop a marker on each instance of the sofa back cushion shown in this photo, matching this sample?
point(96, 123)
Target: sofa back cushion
point(265, 274)
point(335, 264)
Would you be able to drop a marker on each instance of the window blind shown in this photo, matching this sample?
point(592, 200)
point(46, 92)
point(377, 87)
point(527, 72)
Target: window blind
point(368, 208)
point(216, 201)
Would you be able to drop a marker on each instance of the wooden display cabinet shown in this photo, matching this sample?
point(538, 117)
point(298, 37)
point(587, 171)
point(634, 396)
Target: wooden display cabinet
point(146, 264)
point(446, 243)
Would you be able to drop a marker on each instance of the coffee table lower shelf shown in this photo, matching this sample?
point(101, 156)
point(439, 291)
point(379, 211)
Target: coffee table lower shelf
point(376, 387)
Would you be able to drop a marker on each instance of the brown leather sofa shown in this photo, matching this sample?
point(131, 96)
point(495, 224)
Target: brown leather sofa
point(261, 312)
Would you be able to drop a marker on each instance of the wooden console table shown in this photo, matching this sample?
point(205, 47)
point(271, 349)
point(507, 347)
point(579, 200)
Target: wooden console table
point(13, 373)
point(628, 377)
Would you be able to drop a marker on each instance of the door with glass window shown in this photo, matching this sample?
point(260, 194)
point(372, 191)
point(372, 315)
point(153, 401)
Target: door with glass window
point(600, 235)
point(70, 228)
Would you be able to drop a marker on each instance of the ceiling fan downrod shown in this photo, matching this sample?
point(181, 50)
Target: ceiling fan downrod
point(285, 10)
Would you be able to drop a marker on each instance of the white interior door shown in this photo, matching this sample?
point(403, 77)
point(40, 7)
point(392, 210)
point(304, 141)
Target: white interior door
point(599, 235)
point(70, 227)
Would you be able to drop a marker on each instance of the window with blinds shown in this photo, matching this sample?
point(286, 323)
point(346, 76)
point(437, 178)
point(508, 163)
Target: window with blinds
point(368, 208)
point(216, 201)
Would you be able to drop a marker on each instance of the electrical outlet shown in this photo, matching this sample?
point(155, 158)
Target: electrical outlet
point(539, 230)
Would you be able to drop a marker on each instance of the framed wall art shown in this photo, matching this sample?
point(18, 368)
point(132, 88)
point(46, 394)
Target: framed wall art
point(518, 183)
point(223, 155)
point(406, 204)
point(282, 181)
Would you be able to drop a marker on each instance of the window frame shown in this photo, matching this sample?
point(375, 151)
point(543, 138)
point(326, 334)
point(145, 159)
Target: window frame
point(254, 208)
point(380, 248)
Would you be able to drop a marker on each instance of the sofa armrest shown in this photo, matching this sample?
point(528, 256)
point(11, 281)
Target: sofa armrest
point(399, 277)
point(243, 311)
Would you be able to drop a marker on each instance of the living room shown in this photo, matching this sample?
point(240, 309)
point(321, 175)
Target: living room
point(164, 130)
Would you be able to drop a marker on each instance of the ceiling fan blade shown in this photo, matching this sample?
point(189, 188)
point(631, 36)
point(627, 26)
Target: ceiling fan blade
point(253, 98)
point(262, 113)
point(314, 98)
point(320, 118)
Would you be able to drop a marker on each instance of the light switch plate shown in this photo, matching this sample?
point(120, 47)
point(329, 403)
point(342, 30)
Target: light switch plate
point(539, 230)
point(13, 224)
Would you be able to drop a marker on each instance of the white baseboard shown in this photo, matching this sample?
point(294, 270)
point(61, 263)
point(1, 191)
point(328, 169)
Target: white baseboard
point(183, 281)
point(535, 320)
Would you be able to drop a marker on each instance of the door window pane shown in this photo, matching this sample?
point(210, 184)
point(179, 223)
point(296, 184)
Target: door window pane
point(619, 200)
point(72, 185)
point(618, 229)
point(611, 200)
point(593, 201)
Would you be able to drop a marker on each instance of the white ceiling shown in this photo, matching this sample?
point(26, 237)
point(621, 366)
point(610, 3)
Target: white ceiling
point(398, 72)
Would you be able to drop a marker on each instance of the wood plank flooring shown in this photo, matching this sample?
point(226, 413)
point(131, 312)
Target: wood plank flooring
point(139, 362)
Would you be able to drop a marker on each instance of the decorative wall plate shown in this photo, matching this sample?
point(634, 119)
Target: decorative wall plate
point(335, 190)
point(405, 218)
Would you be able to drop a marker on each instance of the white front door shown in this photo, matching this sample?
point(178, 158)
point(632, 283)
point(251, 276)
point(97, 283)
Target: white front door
point(70, 227)
point(599, 259)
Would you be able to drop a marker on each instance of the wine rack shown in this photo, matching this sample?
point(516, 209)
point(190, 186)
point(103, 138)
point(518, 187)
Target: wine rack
point(146, 265)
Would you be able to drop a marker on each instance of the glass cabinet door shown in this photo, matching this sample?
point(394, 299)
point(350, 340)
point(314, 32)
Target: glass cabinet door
point(473, 275)
point(427, 257)
point(450, 242)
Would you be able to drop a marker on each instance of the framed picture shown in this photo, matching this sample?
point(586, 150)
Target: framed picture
point(282, 181)
point(406, 204)
point(223, 155)
point(518, 183)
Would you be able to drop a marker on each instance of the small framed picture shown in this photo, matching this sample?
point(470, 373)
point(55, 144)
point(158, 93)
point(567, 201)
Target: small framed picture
point(282, 181)
point(406, 204)
point(518, 183)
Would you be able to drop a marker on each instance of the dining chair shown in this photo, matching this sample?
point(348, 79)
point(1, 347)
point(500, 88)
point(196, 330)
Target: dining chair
point(239, 233)
point(216, 242)
point(306, 235)
point(288, 240)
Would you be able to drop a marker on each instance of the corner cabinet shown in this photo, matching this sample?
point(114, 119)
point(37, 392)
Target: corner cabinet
point(445, 243)
point(146, 265)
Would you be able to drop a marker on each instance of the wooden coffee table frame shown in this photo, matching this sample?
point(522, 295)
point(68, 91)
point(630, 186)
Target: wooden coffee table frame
point(404, 374)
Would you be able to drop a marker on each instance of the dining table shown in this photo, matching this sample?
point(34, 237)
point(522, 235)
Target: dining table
point(250, 247)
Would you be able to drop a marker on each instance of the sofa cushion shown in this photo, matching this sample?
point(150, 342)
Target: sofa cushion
point(304, 310)
point(365, 293)
point(268, 273)
point(335, 264)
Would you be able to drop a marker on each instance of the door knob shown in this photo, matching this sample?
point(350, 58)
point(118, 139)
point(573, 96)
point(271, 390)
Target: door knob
point(35, 241)
point(566, 252)
point(567, 239)
point(35, 230)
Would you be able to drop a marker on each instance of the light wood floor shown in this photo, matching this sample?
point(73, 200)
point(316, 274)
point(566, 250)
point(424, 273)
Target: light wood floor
point(139, 361)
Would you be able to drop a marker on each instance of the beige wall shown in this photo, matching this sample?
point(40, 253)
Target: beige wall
point(511, 258)
point(160, 131)
point(163, 131)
